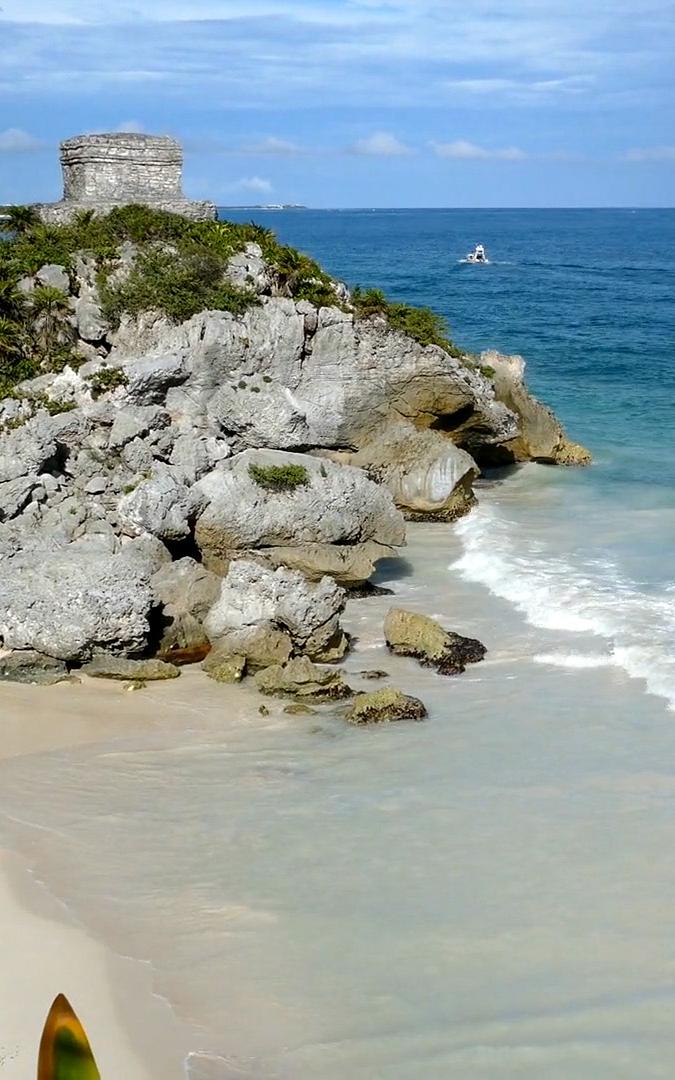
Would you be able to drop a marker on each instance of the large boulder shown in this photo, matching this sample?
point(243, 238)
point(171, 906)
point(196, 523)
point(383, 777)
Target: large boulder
point(408, 633)
point(27, 450)
point(429, 477)
point(263, 614)
point(541, 437)
point(74, 601)
point(332, 507)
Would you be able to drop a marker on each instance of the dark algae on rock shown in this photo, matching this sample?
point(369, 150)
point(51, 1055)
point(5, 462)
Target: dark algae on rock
point(408, 633)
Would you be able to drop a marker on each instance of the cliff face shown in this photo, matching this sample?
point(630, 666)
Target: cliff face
point(292, 435)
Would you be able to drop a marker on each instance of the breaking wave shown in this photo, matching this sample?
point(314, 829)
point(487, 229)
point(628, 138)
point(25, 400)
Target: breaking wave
point(557, 593)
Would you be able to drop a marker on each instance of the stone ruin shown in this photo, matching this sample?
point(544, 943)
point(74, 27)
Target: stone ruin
point(101, 172)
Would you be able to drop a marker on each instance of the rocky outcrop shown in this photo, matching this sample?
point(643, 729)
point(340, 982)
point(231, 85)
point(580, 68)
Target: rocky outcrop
point(385, 707)
point(287, 376)
point(279, 449)
point(266, 616)
point(409, 634)
point(338, 522)
point(303, 680)
point(429, 477)
point(540, 435)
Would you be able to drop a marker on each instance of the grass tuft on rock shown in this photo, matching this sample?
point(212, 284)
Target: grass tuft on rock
point(420, 323)
point(279, 477)
point(107, 379)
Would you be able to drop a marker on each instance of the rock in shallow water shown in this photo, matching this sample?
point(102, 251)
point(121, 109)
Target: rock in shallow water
point(302, 679)
point(409, 634)
point(117, 667)
point(385, 707)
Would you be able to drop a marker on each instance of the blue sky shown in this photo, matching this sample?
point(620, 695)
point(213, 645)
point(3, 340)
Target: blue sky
point(354, 102)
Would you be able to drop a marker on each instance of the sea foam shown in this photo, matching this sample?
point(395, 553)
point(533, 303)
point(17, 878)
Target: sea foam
point(557, 593)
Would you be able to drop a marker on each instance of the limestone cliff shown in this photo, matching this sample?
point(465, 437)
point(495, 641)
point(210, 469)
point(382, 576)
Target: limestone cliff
point(289, 428)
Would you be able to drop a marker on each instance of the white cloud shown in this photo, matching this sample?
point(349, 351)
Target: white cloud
point(461, 150)
point(255, 184)
point(654, 153)
point(133, 127)
point(380, 144)
point(14, 140)
point(272, 146)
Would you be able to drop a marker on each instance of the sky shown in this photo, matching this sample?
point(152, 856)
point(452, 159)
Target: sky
point(338, 103)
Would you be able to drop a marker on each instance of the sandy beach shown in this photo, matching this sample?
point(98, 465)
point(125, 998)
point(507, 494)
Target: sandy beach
point(131, 1030)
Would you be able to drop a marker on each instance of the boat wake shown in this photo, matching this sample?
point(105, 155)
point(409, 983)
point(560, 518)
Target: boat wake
point(554, 593)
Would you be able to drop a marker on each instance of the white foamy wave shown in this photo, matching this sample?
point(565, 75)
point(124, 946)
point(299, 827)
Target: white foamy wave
point(556, 593)
point(574, 660)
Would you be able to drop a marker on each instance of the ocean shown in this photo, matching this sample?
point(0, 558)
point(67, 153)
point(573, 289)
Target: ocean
point(486, 895)
point(588, 298)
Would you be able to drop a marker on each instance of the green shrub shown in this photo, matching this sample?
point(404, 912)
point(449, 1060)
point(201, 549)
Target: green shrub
point(279, 477)
point(178, 283)
point(487, 371)
point(107, 379)
point(420, 323)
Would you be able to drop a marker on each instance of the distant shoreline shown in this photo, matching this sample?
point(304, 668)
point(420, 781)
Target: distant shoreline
point(266, 206)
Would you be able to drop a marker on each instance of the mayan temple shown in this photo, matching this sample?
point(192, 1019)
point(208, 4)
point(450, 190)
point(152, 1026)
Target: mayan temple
point(104, 171)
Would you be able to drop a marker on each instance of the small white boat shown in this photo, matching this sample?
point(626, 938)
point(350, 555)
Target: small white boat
point(477, 255)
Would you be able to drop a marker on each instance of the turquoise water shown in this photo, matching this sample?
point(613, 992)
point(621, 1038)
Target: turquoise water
point(487, 895)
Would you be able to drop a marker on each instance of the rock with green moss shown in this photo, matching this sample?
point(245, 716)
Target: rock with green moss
point(303, 680)
point(119, 667)
point(408, 633)
point(328, 518)
point(224, 667)
point(385, 707)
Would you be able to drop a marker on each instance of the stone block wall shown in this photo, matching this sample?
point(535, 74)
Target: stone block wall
point(104, 171)
point(134, 168)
